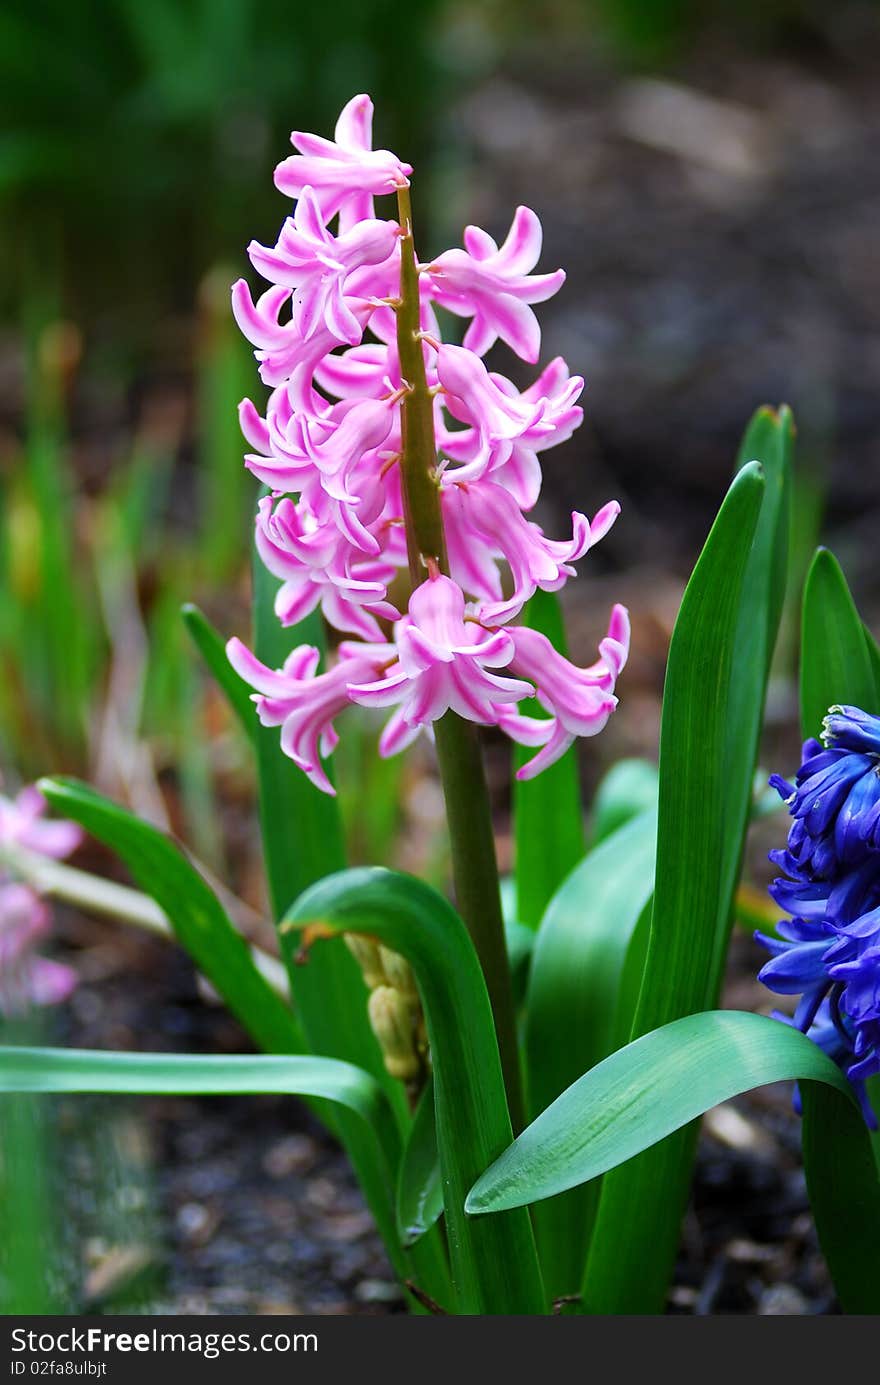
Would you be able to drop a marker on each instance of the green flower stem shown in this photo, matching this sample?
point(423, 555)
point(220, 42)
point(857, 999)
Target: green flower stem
point(468, 812)
point(477, 892)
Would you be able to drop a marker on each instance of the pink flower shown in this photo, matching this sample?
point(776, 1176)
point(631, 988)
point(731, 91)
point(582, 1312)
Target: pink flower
point(304, 702)
point(318, 265)
point(331, 448)
point(495, 287)
point(331, 444)
point(556, 392)
point(346, 174)
point(580, 700)
point(442, 664)
point(317, 566)
point(483, 521)
point(26, 978)
point(507, 428)
point(22, 824)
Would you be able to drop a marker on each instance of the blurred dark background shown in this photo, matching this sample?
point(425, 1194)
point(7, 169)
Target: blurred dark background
point(706, 173)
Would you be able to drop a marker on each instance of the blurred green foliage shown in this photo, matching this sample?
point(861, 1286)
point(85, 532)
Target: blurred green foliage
point(137, 139)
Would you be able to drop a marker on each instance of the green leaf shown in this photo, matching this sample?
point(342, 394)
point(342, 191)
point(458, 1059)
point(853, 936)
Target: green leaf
point(713, 694)
point(574, 990)
point(419, 1182)
point(183, 1074)
point(547, 811)
point(873, 655)
point(642, 1093)
point(836, 664)
point(844, 1191)
point(199, 922)
point(627, 789)
point(659, 1084)
point(212, 648)
point(494, 1262)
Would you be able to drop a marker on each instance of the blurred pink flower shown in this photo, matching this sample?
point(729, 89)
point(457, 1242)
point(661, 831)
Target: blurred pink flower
point(25, 977)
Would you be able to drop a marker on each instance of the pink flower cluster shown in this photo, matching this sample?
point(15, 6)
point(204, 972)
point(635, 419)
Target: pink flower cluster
point(25, 977)
point(329, 449)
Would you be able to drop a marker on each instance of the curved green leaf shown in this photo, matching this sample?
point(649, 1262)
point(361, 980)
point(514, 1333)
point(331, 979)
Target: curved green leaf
point(183, 1074)
point(198, 919)
point(627, 789)
point(663, 1081)
point(419, 1182)
point(494, 1262)
point(574, 990)
point(212, 648)
point(660, 1083)
point(644, 1092)
point(712, 702)
point(836, 664)
point(547, 811)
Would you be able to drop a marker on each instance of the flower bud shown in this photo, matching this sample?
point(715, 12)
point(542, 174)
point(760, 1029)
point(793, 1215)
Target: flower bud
point(391, 1018)
point(367, 954)
point(399, 974)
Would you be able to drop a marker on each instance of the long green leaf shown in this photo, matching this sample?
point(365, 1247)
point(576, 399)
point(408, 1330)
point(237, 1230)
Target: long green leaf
point(642, 1093)
point(836, 664)
point(199, 922)
point(494, 1262)
point(661, 1082)
point(574, 990)
point(212, 648)
point(183, 1074)
point(547, 811)
point(419, 1182)
point(636, 1231)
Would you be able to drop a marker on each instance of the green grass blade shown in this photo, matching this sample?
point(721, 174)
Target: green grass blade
point(212, 647)
point(419, 1182)
point(547, 811)
point(836, 663)
point(199, 922)
point(636, 1232)
point(494, 1262)
point(574, 990)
